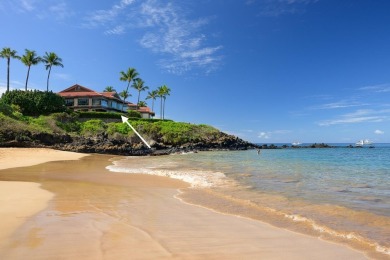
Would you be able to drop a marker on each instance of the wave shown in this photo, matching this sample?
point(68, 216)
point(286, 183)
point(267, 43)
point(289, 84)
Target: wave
point(349, 236)
point(204, 179)
point(270, 209)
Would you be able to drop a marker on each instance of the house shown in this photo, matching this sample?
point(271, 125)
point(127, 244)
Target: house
point(80, 98)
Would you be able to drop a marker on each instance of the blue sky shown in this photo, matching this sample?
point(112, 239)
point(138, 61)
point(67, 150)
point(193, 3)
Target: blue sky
point(267, 71)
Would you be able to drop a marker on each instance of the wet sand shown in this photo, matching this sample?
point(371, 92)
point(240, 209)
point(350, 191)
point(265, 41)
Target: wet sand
point(91, 213)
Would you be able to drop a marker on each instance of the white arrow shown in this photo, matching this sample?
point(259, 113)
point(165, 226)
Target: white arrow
point(125, 119)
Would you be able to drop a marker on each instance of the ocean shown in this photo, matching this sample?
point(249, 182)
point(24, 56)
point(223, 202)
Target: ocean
point(339, 194)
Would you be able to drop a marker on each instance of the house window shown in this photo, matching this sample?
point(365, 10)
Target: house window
point(104, 103)
point(69, 102)
point(96, 102)
point(83, 101)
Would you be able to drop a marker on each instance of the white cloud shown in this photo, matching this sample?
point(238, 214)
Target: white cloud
point(57, 9)
point(282, 7)
point(339, 104)
point(60, 11)
point(268, 135)
point(2, 90)
point(263, 135)
point(27, 5)
point(166, 31)
point(116, 30)
point(359, 116)
point(101, 17)
point(379, 132)
point(14, 84)
point(173, 34)
point(381, 88)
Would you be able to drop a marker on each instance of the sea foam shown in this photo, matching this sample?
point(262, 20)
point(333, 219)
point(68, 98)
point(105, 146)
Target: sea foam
point(196, 178)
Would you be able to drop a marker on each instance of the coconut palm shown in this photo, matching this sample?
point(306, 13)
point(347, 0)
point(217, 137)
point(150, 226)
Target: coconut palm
point(152, 95)
point(167, 92)
point(109, 89)
point(124, 94)
point(51, 59)
point(128, 76)
point(142, 104)
point(28, 59)
point(160, 94)
point(7, 53)
point(139, 85)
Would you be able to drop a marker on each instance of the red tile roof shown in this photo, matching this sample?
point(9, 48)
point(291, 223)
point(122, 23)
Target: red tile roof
point(81, 91)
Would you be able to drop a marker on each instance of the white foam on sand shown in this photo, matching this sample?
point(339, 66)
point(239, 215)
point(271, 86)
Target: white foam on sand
point(195, 178)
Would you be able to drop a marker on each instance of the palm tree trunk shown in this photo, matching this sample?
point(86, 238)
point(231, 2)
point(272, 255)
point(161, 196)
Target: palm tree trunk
point(28, 74)
point(161, 109)
point(164, 109)
point(139, 93)
point(8, 62)
point(124, 102)
point(127, 91)
point(48, 76)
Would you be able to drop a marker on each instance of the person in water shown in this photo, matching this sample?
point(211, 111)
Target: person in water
point(258, 151)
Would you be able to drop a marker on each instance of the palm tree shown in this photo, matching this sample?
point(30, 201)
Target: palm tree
point(160, 94)
point(139, 85)
point(153, 95)
point(7, 53)
point(124, 94)
point(128, 76)
point(167, 92)
point(51, 59)
point(142, 104)
point(28, 59)
point(109, 89)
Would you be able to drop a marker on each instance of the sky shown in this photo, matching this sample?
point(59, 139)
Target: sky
point(268, 71)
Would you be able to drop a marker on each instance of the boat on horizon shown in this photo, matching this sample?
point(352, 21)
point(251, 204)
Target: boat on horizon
point(296, 143)
point(362, 143)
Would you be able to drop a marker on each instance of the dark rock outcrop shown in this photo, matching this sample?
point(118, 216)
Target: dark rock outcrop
point(104, 144)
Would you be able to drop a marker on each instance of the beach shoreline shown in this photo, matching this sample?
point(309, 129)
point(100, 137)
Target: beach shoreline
point(92, 213)
point(20, 200)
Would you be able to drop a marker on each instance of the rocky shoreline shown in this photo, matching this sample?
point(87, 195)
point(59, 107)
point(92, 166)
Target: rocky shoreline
point(105, 145)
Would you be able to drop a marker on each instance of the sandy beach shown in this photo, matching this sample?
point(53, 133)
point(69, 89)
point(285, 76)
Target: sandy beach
point(61, 205)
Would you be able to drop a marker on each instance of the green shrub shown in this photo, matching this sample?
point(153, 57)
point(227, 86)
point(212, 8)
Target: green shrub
point(67, 121)
point(133, 114)
point(15, 126)
point(93, 114)
point(121, 128)
point(5, 108)
point(92, 127)
point(34, 103)
point(45, 124)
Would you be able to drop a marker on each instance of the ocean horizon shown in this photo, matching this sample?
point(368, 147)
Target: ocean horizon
point(341, 195)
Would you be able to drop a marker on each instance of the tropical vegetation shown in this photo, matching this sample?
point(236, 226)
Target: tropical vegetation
point(128, 76)
point(34, 102)
point(22, 127)
point(163, 92)
point(109, 89)
point(50, 59)
point(8, 54)
point(152, 95)
point(139, 86)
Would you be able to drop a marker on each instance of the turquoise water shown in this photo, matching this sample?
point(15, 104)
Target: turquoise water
point(341, 192)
